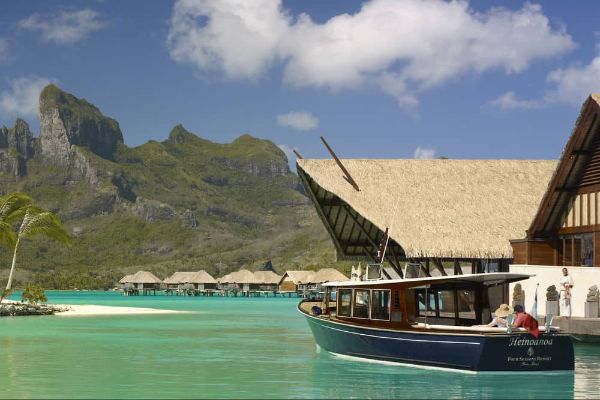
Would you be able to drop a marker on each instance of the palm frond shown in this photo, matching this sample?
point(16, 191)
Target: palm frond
point(7, 236)
point(12, 206)
point(38, 221)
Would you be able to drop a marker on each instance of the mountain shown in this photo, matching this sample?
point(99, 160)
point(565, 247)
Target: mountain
point(184, 203)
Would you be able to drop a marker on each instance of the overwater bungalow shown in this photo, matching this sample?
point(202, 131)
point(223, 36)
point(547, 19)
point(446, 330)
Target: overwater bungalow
point(124, 282)
point(266, 281)
point(239, 280)
point(325, 275)
point(175, 281)
point(144, 282)
point(294, 281)
point(302, 281)
point(202, 280)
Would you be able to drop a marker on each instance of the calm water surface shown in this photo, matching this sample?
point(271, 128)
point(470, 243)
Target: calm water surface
point(229, 347)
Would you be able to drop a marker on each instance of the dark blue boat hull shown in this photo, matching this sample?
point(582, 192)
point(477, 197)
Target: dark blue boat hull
point(471, 352)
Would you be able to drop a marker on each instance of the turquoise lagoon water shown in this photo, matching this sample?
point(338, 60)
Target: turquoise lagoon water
point(229, 347)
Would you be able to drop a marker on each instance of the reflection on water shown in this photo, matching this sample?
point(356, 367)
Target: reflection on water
point(233, 347)
point(349, 377)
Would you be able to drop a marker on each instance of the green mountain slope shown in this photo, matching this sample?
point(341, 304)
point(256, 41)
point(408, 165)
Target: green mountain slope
point(182, 204)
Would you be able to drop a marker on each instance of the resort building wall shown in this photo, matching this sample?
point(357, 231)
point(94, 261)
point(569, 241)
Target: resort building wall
point(547, 275)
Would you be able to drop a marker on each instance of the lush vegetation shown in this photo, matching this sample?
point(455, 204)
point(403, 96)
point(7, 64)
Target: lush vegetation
point(182, 204)
point(33, 294)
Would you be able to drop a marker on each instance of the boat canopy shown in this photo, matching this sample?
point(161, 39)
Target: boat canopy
point(492, 278)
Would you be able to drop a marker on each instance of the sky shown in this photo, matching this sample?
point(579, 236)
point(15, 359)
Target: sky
point(378, 79)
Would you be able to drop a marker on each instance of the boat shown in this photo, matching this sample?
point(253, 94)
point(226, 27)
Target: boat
point(432, 322)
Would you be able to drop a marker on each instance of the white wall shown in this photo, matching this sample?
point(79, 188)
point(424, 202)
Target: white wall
point(546, 275)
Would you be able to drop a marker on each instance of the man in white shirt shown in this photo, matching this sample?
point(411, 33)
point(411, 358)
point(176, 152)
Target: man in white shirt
point(566, 284)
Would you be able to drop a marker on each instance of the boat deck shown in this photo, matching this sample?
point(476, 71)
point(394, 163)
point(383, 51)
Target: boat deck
point(306, 307)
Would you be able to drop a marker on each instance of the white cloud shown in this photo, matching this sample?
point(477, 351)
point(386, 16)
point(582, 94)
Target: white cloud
point(569, 85)
point(509, 101)
point(402, 47)
point(64, 27)
point(424, 153)
point(299, 120)
point(22, 98)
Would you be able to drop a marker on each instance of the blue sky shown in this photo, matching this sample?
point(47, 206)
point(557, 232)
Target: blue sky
point(379, 79)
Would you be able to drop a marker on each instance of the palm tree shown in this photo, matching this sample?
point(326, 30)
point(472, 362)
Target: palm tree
point(37, 221)
point(12, 209)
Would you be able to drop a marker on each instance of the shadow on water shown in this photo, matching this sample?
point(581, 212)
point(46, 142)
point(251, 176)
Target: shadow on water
point(338, 377)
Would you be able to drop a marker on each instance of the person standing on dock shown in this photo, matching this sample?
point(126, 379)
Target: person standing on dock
point(566, 284)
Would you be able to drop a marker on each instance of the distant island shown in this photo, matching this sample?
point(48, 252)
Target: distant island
point(182, 204)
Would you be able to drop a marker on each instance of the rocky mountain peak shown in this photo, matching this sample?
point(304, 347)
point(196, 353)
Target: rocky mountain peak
point(66, 120)
point(181, 135)
point(16, 147)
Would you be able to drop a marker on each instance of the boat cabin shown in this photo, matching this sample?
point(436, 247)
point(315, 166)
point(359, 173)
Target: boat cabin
point(463, 300)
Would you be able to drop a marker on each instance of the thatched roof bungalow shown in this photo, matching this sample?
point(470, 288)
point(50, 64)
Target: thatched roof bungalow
point(326, 275)
point(241, 279)
point(266, 280)
point(143, 280)
point(436, 210)
point(293, 281)
point(201, 280)
point(177, 279)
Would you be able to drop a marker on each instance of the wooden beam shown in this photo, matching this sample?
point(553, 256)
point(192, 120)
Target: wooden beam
point(437, 263)
point(347, 176)
point(298, 156)
point(333, 202)
point(362, 228)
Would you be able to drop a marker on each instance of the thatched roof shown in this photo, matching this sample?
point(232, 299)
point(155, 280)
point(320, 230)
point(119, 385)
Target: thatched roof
point(434, 208)
point(143, 277)
point(327, 275)
point(201, 277)
point(179, 277)
point(241, 276)
point(298, 277)
point(126, 278)
point(320, 276)
point(266, 277)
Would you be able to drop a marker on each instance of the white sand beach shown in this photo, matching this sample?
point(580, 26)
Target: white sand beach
point(92, 310)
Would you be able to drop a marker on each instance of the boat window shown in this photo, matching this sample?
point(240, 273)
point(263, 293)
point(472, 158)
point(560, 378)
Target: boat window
point(361, 303)
point(426, 301)
point(344, 300)
point(380, 307)
point(466, 301)
point(446, 299)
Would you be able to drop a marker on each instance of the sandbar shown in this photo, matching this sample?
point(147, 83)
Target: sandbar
point(80, 310)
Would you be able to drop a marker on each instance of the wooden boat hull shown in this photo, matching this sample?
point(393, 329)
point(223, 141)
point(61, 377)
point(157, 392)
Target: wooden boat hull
point(470, 352)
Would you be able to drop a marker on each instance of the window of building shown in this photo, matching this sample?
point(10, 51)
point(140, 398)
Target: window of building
point(578, 250)
point(344, 302)
point(361, 303)
point(380, 306)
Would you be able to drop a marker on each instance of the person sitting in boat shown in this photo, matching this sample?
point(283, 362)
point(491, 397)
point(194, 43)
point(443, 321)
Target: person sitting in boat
point(500, 314)
point(525, 320)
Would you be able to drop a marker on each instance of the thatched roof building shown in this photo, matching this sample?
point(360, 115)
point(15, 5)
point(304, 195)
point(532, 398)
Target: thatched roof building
point(443, 209)
point(295, 280)
point(178, 278)
point(267, 277)
point(201, 277)
point(243, 276)
point(126, 279)
point(327, 275)
point(143, 277)
point(564, 228)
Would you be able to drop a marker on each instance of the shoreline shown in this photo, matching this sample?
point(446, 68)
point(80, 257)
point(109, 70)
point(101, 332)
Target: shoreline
point(78, 310)
point(15, 308)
